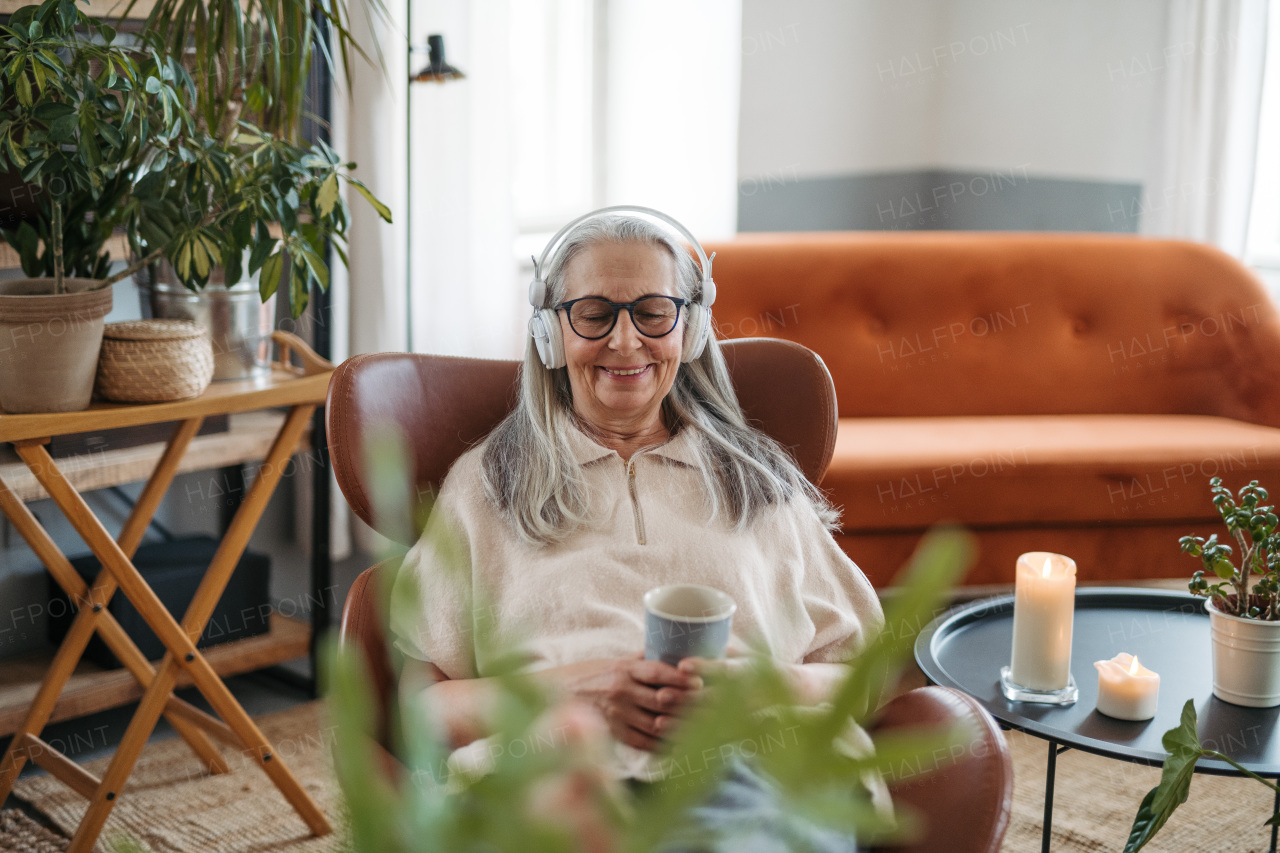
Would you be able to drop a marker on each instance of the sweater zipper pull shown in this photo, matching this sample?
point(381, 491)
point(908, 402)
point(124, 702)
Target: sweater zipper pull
point(635, 501)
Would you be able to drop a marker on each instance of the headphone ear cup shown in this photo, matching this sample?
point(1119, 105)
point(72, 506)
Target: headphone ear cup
point(544, 326)
point(697, 331)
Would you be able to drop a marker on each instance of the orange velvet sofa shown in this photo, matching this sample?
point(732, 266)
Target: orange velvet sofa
point(1067, 393)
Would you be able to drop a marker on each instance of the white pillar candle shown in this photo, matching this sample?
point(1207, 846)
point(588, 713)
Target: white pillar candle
point(1043, 609)
point(1127, 690)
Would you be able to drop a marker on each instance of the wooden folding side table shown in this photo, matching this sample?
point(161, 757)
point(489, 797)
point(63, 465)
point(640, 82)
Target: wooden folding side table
point(301, 389)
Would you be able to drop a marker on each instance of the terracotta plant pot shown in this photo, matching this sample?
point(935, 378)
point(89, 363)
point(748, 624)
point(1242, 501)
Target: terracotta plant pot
point(49, 343)
point(1246, 659)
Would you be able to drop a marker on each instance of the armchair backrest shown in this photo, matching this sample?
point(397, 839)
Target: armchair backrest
point(439, 406)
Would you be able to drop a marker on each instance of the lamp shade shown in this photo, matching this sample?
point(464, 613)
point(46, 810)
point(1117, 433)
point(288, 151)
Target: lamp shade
point(436, 70)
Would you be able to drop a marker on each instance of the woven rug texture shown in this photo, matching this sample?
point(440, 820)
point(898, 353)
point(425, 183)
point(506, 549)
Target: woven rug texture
point(21, 834)
point(1095, 799)
point(171, 806)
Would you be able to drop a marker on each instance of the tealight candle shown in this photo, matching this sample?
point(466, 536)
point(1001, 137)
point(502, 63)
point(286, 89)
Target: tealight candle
point(1127, 690)
point(1043, 609)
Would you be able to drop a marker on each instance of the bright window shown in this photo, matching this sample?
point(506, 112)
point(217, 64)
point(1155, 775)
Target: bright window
point(1263, 247)
point(552, 96)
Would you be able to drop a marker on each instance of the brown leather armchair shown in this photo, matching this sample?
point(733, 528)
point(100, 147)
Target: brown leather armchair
point(442, 405)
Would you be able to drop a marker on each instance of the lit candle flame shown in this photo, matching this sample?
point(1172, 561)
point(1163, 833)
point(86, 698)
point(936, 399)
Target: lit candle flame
point(1133, 667)
point(1048, 566)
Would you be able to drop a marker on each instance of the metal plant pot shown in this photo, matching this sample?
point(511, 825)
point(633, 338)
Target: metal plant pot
point(238, 321)
point(1246, 659)
point(49, 343)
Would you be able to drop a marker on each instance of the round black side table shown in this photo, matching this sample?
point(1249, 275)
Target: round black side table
point(1168, 631)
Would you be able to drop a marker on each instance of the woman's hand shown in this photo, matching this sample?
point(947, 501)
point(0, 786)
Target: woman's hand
point(711, 670)
point(639, 699)
point(811, 683)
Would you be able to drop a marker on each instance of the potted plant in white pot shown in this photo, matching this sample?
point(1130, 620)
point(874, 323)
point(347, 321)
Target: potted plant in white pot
point(1244, 603)
point(76, 112)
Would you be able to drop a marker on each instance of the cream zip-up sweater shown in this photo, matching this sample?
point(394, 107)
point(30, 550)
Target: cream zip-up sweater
point(799, 597)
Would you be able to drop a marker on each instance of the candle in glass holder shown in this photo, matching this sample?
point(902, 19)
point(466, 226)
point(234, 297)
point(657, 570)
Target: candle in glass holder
point(1127, 690)
point(1043, 609)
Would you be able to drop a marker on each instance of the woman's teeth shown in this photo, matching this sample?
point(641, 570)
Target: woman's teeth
point(626, 372)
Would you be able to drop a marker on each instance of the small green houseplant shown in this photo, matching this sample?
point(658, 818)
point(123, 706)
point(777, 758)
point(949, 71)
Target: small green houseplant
point(1244, 601)
point(1252, 589)
point(1244, 619)
point(77, 111)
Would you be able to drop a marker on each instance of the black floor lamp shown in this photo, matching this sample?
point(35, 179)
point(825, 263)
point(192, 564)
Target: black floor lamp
point(435, 71)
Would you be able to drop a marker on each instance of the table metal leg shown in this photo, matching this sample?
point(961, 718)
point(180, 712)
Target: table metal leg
point(1049, 775)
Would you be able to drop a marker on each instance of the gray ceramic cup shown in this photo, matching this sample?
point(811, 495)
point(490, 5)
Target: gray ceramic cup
point(686, 620)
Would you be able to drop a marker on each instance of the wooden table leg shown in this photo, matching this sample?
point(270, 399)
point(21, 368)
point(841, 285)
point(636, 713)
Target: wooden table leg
point(92, 613)
point(179, 639)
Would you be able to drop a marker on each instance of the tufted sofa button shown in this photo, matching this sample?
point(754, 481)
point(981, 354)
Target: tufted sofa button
point(875, 324)
point(1082, 325)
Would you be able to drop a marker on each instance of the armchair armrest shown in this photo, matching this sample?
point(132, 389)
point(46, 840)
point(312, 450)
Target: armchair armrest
point(966, 804)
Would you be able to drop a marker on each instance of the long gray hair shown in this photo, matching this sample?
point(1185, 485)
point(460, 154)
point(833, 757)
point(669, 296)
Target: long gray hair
point(530, 471)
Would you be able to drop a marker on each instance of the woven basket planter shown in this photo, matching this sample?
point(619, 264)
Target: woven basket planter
point(154, 361)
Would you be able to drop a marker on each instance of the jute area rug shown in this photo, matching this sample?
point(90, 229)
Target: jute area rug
point(170, 806)
point(1095, 799)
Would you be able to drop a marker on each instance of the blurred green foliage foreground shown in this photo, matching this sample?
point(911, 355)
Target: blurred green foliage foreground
point(547, 791)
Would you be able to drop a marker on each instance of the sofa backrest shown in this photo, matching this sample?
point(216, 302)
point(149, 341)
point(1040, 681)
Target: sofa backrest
point(979, 323)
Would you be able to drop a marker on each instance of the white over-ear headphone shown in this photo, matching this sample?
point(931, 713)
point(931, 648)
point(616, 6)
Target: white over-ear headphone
point(544, 325)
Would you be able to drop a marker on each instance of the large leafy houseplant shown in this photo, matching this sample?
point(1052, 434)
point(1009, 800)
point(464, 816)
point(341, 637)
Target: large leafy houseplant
point(252, 59)
point(78, 113)
point(208, 203)
point(245, 194)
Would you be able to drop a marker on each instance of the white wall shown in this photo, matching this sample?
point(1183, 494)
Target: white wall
point(1066, 89)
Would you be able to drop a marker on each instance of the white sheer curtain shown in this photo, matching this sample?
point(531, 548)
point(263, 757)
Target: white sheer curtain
point(465, 297)
point(1201, 178)
point(455, 220)
point(369, 300)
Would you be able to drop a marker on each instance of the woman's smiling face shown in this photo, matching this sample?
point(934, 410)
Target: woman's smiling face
point(620, 380)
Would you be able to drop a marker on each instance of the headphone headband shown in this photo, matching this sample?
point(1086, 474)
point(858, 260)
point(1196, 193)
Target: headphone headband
point(544, 327)
point(704, 263)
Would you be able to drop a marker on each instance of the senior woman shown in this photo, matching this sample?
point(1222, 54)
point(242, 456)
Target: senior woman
point(629, 467)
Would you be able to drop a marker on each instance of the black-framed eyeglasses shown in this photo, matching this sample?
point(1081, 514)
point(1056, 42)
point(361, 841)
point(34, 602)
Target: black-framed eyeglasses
point(593, 317)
